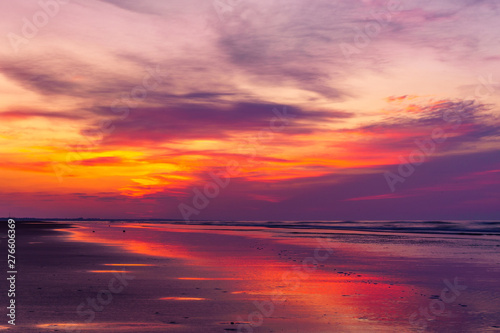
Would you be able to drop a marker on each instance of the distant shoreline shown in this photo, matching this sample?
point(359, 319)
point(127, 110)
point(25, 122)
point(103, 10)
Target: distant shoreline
point(37, 219)
point(307, 228)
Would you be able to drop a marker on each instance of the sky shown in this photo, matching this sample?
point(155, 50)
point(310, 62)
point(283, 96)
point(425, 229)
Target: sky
point(250, 109)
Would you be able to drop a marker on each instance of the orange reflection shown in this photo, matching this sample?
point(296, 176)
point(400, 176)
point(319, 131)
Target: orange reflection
point(107, 236)
point(183, 299)
point(139, 265)
point(108, 327)
point(108, 271)
point(206, 279)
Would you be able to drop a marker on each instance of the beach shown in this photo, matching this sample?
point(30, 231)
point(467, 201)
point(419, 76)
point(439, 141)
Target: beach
point(100, 276)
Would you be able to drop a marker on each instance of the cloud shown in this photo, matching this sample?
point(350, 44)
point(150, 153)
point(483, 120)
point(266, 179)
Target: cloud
point(44, 80)
point(186, 121)
point(286, 44)
point(67, 75)
point(101, 161)
point(26, 114)
point(145, 6)
point(461, 122)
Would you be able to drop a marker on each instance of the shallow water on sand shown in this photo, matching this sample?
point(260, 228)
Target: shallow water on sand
point(283, 277)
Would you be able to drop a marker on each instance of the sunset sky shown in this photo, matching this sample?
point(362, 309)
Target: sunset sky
point(127, 109)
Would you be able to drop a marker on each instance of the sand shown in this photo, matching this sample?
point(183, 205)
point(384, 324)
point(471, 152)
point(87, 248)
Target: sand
point(265, 277)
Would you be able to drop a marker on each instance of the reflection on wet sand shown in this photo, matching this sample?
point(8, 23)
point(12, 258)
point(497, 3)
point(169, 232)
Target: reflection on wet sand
point(206, 279)
point(108, 271)
point(323, 294)
point(127, 265)
point(202, 277)
point(107, 327)
point(183, 299)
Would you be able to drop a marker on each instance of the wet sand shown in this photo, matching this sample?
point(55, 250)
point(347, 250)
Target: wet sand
point(260, 277)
